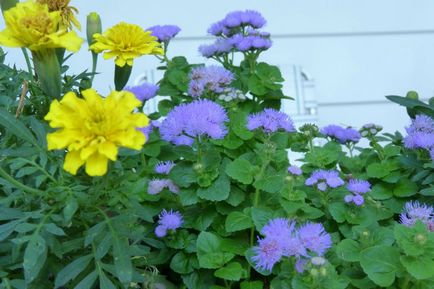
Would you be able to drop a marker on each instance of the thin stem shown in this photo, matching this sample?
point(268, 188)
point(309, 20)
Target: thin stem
point(17, 184)
point(406, 282)
point(29, 65)
point(39, 168)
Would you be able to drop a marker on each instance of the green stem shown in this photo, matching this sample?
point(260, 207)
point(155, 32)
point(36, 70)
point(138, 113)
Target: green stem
point(39, 168)
point(17, 184)
point(406, 282)
point(29, 64)
point(94, 65)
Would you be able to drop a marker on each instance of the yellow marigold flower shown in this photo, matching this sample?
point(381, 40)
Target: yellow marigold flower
point(92, 128)
point(67, 12)
point(30, 24)
point(125, 42)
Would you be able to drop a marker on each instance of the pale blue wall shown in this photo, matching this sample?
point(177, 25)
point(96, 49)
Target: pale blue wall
point(357, 51)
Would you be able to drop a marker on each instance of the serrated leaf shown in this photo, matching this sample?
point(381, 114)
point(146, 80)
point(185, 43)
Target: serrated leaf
point(237, 221)
point(72, 270)
point(240, 170)
point(231, 272)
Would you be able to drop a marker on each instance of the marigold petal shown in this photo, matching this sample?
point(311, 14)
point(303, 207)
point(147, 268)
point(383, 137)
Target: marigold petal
point(72, 162)
point(96, 165)
point(109, 150)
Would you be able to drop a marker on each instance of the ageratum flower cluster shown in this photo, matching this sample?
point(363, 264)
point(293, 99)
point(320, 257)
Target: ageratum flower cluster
point(357, 188)
point(324, 179)
point(200, 118)
point(211, 78)
point(156, 186)
point(144, 91)
point(340, 134)
point(420, 134)
point(283, 239)
point(164, 33)
point(238, 31)
point(269, 121)
point(168, 221)
point(414, 211)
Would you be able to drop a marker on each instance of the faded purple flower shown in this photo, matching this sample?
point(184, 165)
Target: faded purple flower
point(348, 198)
point(144, 91)
point(219, 47)
point(342, 135)
point(155, 186)
point(315, 238)
point(168, 220)
point(295, 170)
point(270, 120)
point(164, 168)
point(359, 186)
point(324, 179)
point(209, 78)
point(358, 200)
point(198, 118)
point(164, 32)
point(414, 211)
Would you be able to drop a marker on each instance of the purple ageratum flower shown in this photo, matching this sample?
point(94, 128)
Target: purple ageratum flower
point(212, 78)
point(155, 186)
point(295, 170)
point(358, 200)
point(268, 252)
point(164, 168)
point(359, 186)
point(144, 91)
point(164, 32)
point(324, 179)
point(168, 220)
point(244, 18)
point(342, 135)
point(219, 47)
point(315, 238)
point(250, 42)
point(270, 120)
point(420, 133)
point(278, 227)
point(414, 211)
point(198, 118)
point(218, 29)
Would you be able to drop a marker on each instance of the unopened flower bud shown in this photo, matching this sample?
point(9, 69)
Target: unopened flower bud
point(323, 271)
point(420, 239)
point(198, 167)
point(314, 272)
point(93, 26)
point(365, 234)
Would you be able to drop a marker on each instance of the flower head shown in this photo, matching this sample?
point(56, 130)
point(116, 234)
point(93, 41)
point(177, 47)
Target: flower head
point(209, 78)
point(315, 238)
point(198, 118)
point(125, 42)
point(295, 170)
point(144, 91)
point(270, 120)
point(30, 24)
point(239, 18)
point(168, 220)
point(342, 135)
point(420, 134)
point(67, 12)
point(164, 32)
point(324, 179)
point(164, 168)
point(250, 42)
point(359, 186)
point(414, 211)
point(155, 186)
point(92, 128)
point(268, 252)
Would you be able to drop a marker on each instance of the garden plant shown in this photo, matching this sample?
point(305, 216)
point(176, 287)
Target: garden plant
point(199, 194)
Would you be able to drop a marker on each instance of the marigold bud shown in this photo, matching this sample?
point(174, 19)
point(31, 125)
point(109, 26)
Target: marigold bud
point(93, 26)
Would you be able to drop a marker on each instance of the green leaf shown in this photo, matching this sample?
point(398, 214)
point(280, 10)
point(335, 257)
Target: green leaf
point(252, 285)
point(231, 271)
point(72, 270)
point(326, 155)
point(419, 267)
point(348, 250)
point(240, 170)
point(261, 216)
point(188, 197)
point(237, 221)
point(16, 127)
point(270, 184)
point(338, 211)
point(183, 174)
point(121, 256)
point(236, 196)
point(377, 170)
point(184, 264)
point(105, 282)
point(34, 257)
point(70, 209)
point(7, 229)
point(406, 239)
point(54, 229)
point(209, 251)
point(405, 188)
point(238, 122)
point(87, 283)
point(381, 263)
point(218, 191)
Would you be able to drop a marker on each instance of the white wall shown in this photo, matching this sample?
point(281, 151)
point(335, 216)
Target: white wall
point(357, 51)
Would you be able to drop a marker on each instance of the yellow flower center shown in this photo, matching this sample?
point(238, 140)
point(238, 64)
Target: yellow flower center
point(38, 24)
